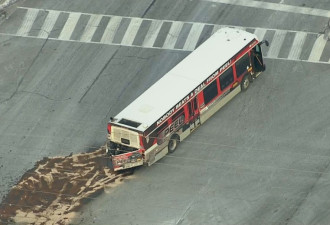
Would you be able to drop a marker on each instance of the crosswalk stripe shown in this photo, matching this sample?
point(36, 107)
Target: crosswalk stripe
point(297, 45)
point(29, 19)
point(173, 35)
point(260, 33)
point(131, 31)
point(69, 26)
point(48, 24)
point(111, 29)
point(171, 39)
point(317, 49)
point(216, 27)
point(90, 28)
point(277, 42)
point(152, 34)
point(193, 36)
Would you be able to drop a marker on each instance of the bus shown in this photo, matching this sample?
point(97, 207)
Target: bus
point(156, 122)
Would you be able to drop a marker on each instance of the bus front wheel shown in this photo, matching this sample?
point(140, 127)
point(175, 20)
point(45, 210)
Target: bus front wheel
point(173, 143)
point(245, 83)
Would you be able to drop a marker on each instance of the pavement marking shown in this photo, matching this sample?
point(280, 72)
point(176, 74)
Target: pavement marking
point(49, 23)
point(131, 31)
point(152, 34)
point(276, 7)
point(260, 33)
point(173, 35)
point(189, 44)
point(139, 46)
point(193, 36)
point(297, 45)
point(69, 26)
point(317, 49)
point(90, 28)
point(28, 21)
point(276, 44)
point(216, 27)
point(111, 29)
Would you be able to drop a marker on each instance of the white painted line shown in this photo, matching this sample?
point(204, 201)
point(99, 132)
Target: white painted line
point(69, 26)
point(276, 7)
point(317, 49)
point(28, 21)
point(116, 44)
point(49, 23)
point(260, 33)
point(297, 45)
point(276, 44)
point(173, 35)
point(111, 29)
point(90, 28)
point(131, 31)
point(193, 36)
point(152, 34)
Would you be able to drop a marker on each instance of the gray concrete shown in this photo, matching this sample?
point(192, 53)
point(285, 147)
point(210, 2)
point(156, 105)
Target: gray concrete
point(263, 159)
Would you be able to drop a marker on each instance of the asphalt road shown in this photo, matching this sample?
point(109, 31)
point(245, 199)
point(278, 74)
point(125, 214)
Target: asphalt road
point(262, 159)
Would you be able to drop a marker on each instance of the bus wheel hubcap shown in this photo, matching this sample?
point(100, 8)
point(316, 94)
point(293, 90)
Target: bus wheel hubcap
point(246, 83)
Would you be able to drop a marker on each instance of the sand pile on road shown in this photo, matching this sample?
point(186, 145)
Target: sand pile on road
point(56, 188)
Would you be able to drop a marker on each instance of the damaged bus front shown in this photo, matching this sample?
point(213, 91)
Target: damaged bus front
point(123, 147)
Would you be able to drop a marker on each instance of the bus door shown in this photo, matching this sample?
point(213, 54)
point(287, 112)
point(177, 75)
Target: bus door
point(194, 117)
point(256, 59)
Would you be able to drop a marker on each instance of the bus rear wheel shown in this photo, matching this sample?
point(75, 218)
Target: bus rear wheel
point(173, 143)
point(245, 83)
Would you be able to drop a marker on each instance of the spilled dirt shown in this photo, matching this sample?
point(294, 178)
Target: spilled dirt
point(54, 190)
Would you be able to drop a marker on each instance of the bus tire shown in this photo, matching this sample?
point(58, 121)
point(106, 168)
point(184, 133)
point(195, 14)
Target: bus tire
point(245, 82)
point(173, 143)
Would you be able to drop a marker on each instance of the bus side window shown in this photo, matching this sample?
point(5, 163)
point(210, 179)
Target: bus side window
point(177, 114)
point(241, 65)
point(195, 104)
point(226, 78)
point(210, 92)
point(190, 109)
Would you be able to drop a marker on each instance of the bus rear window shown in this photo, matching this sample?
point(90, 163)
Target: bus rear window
point(129, 123)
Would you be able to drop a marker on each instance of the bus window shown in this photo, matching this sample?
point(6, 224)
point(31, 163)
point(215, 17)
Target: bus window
point(241, 65)
point(210, 92)
point(226, 78)
point(256, 57)
point(177, 114)
point(195, 104)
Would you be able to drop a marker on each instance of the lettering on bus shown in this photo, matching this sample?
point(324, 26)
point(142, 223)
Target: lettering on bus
point(199, 88)
point(184, 100)
point(218, 71)
point(164, 117)
point(176, 124)
point(194, 93)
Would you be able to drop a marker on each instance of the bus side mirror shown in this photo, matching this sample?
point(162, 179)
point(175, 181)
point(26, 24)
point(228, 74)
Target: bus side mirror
point(266, 42)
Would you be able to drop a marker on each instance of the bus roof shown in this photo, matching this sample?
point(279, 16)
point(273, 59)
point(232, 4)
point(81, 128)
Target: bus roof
point(151, 105)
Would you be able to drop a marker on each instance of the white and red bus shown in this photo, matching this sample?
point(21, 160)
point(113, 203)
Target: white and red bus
point(165, 114)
